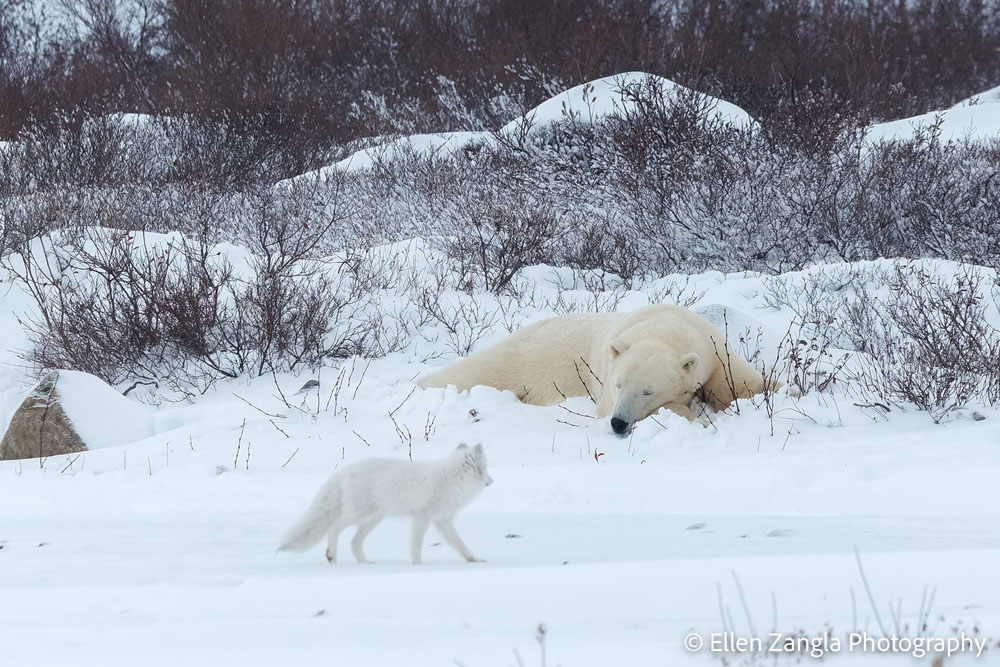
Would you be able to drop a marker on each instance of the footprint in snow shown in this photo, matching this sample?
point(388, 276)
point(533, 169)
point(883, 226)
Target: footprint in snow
point(781, 532)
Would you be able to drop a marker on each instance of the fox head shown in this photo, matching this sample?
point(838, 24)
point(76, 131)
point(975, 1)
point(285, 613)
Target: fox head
point(474, 460)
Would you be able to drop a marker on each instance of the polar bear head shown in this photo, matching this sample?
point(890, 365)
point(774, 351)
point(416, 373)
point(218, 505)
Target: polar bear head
point(646, 375)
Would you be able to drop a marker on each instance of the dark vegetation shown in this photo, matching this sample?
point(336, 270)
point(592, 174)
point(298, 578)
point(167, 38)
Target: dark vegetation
point(237, 95)
point(284, 82)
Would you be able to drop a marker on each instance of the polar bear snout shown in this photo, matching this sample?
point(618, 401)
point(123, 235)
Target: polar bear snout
point(620, 426)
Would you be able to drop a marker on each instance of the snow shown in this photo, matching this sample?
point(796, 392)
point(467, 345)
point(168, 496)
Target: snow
point(101, 416)
point(991, 96)
point(594, 100)
point(425, 145)
point(162, 551)
point(980, 121)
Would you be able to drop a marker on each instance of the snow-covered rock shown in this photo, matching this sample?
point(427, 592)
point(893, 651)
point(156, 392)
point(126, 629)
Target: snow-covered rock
point(69, 411)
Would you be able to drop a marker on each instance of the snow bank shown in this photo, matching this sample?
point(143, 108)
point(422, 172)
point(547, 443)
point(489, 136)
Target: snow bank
point(102, 416)
point(979, 121)
point(601, 98)
point(991, 96)
point(425, 145)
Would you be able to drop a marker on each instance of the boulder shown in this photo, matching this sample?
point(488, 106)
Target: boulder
point(40, 426)
point(69, 411)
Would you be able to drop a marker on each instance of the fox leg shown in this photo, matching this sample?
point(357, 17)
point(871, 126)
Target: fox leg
point(417, 540)
point(358, 541)
point(447, 530)
point(331, 542)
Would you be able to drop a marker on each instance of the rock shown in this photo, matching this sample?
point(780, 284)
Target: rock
point(307, 386)
point(40, 427)
point(69, 411)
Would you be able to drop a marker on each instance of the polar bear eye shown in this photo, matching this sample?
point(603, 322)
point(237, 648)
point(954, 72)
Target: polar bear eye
point(647, 392)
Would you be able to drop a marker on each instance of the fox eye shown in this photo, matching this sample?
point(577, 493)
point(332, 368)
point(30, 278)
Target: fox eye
point(618, 385)
point(647, 392)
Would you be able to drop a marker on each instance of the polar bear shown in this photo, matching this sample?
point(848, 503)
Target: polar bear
point(630, 364)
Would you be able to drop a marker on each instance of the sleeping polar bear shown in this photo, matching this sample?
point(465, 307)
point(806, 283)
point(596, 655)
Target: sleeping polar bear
point(631, 364)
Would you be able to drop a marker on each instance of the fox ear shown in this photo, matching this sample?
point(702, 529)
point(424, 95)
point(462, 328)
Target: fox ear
point(479, 448)
point(461, 447)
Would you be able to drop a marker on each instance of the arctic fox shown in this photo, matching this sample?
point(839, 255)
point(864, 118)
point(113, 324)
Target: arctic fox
point(364, 493)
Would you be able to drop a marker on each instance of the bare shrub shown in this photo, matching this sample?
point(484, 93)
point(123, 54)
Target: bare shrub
point(934, 346)
point(497, 225)
point(175, 311)
point(922, 338)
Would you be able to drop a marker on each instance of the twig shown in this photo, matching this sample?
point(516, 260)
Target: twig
point(591, 371)
point(279, 428)
point(578, 414)
point(335, 392)
point(290, 457)
point(278, 387)
point(743, 601)
point(579, 375)
point(293, 407)
point(361, 439)
point(404, 401)
point(268, 414)
point(360, 380)
point(69, 465)
point(558, 390)
point(868, 589)
point(239, 444)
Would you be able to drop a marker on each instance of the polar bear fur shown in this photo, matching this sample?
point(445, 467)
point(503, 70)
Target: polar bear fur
point(630, 364)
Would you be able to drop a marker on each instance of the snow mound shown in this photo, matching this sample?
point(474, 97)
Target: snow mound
point(102, 416)
point(422, 144)
point(586, 103)
point(601, 98)
point(979, 121)
point(991, 96)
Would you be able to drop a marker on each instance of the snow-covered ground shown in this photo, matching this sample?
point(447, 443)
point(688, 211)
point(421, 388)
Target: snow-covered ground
point(162, 551)
point(977, 117)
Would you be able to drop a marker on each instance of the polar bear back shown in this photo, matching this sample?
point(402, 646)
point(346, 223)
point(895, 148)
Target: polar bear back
point(565, 356)
point(542, 363)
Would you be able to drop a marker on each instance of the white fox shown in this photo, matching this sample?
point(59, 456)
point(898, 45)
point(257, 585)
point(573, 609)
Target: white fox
point(364, 493)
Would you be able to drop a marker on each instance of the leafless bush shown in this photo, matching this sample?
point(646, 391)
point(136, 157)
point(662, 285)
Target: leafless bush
point(176, 311)
point(934, 346)
point(498, 226)
point(678, 292)
point(922, 338)
point(78, 151)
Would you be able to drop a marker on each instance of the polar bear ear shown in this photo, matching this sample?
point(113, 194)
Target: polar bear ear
point(617, 347)
point(689, 361)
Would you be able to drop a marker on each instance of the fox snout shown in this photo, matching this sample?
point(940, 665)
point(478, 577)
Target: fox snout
point(489, 480)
